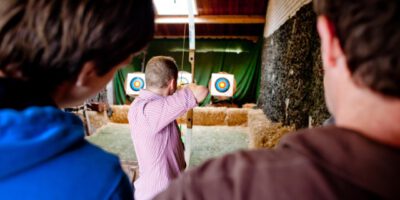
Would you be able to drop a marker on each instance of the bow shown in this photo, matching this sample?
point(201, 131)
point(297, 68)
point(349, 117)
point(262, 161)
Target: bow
point(192, 50)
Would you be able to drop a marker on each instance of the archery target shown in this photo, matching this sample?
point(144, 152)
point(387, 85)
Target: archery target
point(135, 82)
point(184, 78)
point(222, 85)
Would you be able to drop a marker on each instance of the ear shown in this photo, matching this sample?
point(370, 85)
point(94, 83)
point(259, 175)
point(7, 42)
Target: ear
point(172, 83)
point(331, 50)
point(86, 75)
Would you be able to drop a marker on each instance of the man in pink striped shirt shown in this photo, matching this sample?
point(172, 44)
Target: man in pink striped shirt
point(155, 134)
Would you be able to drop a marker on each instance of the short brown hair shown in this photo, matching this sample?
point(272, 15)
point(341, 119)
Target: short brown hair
point(369, 34)
point(160, 70)
point(48, 41)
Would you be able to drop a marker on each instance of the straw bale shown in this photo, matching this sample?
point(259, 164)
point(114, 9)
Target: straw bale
point(206, 116)
point(262, 132)
point(236, 116)
point(277, 132)
point(249, 105)
point(119, 114)
point(97, 119)
point(255, 116)
point(182, 119)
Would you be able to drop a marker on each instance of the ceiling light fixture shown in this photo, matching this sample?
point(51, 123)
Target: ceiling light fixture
point(174, 7)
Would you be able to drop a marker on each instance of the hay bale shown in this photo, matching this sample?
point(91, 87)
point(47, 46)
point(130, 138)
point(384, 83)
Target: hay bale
point(97, 119)
point(201, 116)
point(255, 116)
point(277, 131)
point(209, 116)
point(119, 114)
point(249, 105)
point(205, 116)
point(269, 136)
point(182, 119)
point(236, 116)
point(257, 122)
point(213, 116)
point(262, 132)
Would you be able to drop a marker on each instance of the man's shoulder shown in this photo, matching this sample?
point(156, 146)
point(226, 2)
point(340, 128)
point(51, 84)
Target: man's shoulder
point(324, 143)
point(256, 174)
point(137, 106)
point(101, 170)
point(302, 162)
point(312, 163)
point(287, 156)
point(83, 171)
point(94, 163)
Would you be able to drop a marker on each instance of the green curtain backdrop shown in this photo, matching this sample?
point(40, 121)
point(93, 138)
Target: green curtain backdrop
point(239, 57)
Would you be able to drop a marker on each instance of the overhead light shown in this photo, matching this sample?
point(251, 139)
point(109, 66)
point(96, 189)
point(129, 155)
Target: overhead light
point(174, 7)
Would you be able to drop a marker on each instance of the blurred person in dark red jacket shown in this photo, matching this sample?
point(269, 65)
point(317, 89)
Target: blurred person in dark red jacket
point(359, 157)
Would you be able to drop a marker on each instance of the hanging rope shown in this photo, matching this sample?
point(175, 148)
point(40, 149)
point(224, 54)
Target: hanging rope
point(144, 60)
point(183, 57)
point(183, 46)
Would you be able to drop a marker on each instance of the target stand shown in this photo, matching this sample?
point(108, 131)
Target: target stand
point(134, 83)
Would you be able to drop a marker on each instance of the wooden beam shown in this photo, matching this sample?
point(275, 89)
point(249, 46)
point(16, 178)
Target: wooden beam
point(243, 37)
point(213, 19)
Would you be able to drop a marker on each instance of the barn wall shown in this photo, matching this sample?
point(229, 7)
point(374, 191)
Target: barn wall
point(291, 80)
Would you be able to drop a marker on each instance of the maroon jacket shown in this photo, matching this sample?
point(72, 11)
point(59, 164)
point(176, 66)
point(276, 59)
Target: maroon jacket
point(322, 163)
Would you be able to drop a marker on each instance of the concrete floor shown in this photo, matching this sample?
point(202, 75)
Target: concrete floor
point(208, 141)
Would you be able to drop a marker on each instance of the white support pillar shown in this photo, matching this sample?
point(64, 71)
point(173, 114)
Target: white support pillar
point(110, 93)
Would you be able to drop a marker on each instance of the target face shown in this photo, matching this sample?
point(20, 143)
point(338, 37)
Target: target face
point(134, 83)
point(184, 78)
point(222, 85)
point(183, 81)
point(137, 84)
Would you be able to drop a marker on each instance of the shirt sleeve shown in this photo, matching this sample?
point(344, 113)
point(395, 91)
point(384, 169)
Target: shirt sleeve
point(163, 111)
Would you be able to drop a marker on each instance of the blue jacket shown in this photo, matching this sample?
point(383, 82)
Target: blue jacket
point(43, 155)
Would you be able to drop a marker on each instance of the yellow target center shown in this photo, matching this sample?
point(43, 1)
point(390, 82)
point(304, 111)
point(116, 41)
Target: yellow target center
point(137, 84)
point(222, 85)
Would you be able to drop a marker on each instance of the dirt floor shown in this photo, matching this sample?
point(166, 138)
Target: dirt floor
point(208, 141)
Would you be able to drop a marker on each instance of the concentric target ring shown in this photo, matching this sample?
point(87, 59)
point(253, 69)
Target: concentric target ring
point(222, 85)
point(137, 84)
point(183, 80)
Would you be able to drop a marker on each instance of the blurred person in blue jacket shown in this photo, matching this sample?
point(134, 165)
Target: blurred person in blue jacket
point(54, 54)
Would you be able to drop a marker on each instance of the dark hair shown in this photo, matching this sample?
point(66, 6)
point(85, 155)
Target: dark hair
point(48, 41)
point(160, 70)
point(369, 34)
